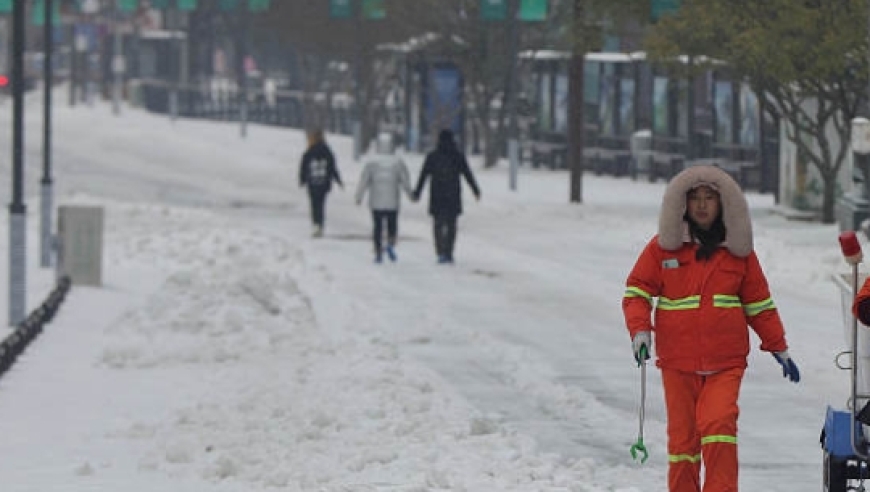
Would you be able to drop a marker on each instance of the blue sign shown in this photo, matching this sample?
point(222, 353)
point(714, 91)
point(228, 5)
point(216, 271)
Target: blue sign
point(444, 105)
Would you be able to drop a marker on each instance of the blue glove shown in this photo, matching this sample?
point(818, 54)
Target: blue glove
point(640, 345)
point(789, 368)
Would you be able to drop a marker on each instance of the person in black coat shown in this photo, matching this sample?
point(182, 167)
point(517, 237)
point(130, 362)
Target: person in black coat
point(317, 171)
point(444, 166)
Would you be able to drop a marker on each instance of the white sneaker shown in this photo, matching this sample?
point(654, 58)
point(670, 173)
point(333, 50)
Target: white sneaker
point(318, 232)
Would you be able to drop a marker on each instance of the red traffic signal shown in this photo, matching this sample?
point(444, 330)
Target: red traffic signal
point(4, 81)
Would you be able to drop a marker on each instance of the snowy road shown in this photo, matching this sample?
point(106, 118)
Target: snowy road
point(526, 327)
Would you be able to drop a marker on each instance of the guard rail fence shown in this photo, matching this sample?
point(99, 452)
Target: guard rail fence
point(25, 332)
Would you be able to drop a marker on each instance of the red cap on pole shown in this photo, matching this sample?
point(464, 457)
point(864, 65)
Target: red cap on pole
point(851, 247)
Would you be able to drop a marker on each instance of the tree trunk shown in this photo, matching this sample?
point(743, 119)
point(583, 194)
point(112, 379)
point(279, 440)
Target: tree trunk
point(829, 197)
point(496, 145)
point(490, 149)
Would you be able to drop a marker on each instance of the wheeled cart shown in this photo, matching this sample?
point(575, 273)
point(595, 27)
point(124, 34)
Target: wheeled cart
point(844, 435)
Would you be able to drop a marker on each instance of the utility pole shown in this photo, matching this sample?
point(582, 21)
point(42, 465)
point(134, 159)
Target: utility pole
point(176, 45)
point(241, 64)
point(17, 208)
point(691, 140)
point(73, 61)
point(46, 196)
point(117, 61)
point(357, 84)
point(513, 129)
point(576, 125)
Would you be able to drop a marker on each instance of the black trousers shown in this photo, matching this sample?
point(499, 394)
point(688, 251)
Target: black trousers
point(391, 219)
point(318, 205)
point(444, 232)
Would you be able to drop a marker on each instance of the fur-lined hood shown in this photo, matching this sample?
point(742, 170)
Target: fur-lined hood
point(673, 229)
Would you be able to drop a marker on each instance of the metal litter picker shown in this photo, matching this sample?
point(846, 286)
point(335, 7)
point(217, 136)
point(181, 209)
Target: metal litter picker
point(638, 449)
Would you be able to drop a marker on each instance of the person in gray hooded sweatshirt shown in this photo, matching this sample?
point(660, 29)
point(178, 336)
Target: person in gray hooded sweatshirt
point(384, 176)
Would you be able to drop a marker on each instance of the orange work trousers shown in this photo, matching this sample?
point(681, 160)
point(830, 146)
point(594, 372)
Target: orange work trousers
point(702, 425)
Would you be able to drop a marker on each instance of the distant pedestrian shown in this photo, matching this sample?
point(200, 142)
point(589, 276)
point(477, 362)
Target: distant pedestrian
point(445, 165)
point(317, 172)
point(384, 177)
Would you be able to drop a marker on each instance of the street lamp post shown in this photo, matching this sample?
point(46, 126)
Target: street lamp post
point(176, 44)
point(513, 129)
point(242, 64)
point(17, 208)
point(357, 113)
point(576, 123)
point(46, 197)
point(73, 61)
point(118, 65)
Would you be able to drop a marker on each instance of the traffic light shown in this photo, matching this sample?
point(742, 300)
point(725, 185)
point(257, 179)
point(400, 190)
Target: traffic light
point(5, 6)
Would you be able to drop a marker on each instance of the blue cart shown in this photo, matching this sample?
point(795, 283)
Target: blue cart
point(844, 436)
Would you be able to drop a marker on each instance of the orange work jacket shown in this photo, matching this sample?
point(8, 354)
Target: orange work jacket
point(700, 311)
point(863, 295)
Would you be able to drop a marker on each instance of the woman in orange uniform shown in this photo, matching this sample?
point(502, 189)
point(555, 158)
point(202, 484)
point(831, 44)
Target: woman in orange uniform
point(709, 287)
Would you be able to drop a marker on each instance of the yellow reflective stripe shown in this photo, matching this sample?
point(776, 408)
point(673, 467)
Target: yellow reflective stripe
point(726, 301)
point(676, 458)
point(635, 292)
point(756, 307)
point(691, 302)
point(719, 438)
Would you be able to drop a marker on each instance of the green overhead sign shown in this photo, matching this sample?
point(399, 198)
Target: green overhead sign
point(340, 9)
point(529, 10)
point(186, 4)
point(38, 13)
point(374, 9)
point(664, 7)
point(258, 5)
point(128, 5)
point(369, 9)
point(493, 9)
point(253, 5)
point(165, 4)
point(533, 10)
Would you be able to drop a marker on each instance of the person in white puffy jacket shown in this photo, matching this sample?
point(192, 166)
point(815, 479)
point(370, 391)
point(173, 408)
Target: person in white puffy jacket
point(384, 176)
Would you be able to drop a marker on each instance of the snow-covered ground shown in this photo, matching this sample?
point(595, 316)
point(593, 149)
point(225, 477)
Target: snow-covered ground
point(229, 351)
